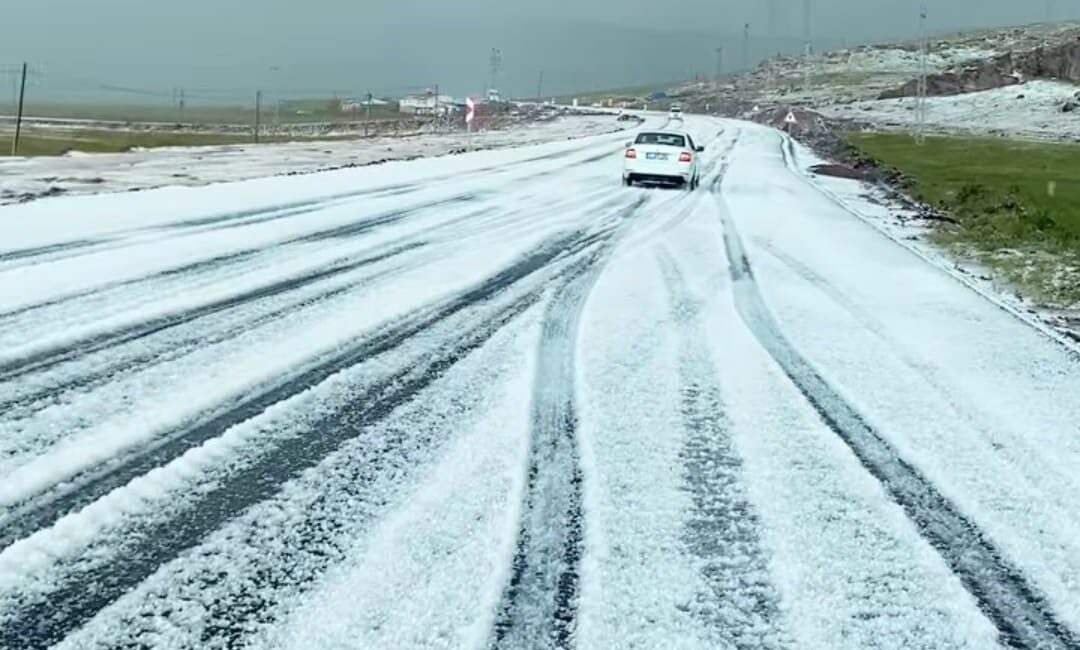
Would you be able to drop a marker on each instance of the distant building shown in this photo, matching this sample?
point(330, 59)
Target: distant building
point(350, 105)
point(426, 104)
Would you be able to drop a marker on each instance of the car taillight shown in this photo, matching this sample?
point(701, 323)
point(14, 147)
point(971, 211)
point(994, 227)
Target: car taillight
point(685, 157)
point(630, 153)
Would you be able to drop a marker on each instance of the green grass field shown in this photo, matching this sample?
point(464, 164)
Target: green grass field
point(315, 110)
point(1017, 203)
point(39, 141)
point(587, 98)
point(55, 142)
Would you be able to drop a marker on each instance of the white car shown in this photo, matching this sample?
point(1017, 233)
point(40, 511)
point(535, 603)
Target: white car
point(662, 157)
point(676, 112)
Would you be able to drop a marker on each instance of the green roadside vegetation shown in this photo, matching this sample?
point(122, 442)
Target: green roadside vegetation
point(288, 111)
point(56, 142)
point(1016, 204)
point(91, 138)
point(587, 98)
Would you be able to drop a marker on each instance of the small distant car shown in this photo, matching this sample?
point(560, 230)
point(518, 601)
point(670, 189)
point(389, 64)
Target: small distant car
point(676, 112)
point(662, 158)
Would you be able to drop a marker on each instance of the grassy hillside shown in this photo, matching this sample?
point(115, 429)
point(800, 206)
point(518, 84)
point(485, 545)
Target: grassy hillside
point(315, 110)
point(55, 142)
point(1016, 203)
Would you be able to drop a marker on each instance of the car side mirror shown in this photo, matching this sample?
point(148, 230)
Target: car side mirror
point(699, 148)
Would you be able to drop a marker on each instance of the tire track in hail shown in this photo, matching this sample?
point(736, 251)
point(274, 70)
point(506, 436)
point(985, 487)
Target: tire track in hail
point(44, 509)
point(538, 608)
point(1020, 613)
point(43, 389)
point(385, 218)
point(966, 408)
point(48, 253)
point(178, 345)
point(83, 593)
point(279, 549)
point(739, 602)
point(340, 232)
point(52, 356)
point(539, 604)
point(76, 248)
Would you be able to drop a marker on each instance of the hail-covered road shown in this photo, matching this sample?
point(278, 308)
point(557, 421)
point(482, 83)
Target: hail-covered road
point(497, 400)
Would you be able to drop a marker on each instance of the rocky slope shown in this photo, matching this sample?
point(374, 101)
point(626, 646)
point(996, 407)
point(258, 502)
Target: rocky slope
point(1055, 61)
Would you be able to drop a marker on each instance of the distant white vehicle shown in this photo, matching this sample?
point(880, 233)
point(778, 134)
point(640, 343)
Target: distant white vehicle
point(662, 158)
point(676, 112)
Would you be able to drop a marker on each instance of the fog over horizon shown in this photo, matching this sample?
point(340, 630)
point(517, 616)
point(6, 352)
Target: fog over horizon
point(125, 50)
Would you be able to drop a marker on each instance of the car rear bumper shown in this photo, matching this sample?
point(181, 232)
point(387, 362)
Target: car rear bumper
point(658, 179)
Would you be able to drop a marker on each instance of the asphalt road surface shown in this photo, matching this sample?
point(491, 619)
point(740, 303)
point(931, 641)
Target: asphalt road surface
point(497, 400)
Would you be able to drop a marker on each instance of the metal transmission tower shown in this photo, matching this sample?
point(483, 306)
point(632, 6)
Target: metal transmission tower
point(808, 48)
point(496, 67)
point(1051, 11)
point(719, 64)
point(924, 52)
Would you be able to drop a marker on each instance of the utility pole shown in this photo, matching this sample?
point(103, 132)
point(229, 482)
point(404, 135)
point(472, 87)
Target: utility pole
point(367, 117)
point(19, 117)
point(436, 108)
point(540, 89)
point(258, 111)
point(746, 47)
point(1051, 11)
point(808, 48)
point(924, 52)
point(719, 65)
point(496, 67)
point(181, 119)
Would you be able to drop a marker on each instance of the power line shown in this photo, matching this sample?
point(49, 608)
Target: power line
point(920, 106)
point(19, 118)
point(15, 72)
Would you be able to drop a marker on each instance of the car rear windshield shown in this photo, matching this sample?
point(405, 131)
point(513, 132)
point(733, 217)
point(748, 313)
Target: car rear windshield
point(661, 138)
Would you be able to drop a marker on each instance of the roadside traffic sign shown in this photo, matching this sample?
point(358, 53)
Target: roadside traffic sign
point(470, 110)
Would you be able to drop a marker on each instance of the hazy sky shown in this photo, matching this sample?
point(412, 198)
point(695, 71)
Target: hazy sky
point(102, 49)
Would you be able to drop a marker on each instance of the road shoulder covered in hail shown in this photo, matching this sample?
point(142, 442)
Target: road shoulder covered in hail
point(501, 401)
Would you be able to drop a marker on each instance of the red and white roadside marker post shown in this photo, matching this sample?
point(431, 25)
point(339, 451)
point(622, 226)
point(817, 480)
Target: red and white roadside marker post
point(470, 115)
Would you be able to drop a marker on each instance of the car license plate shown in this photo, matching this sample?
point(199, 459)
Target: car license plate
point(656, 156)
